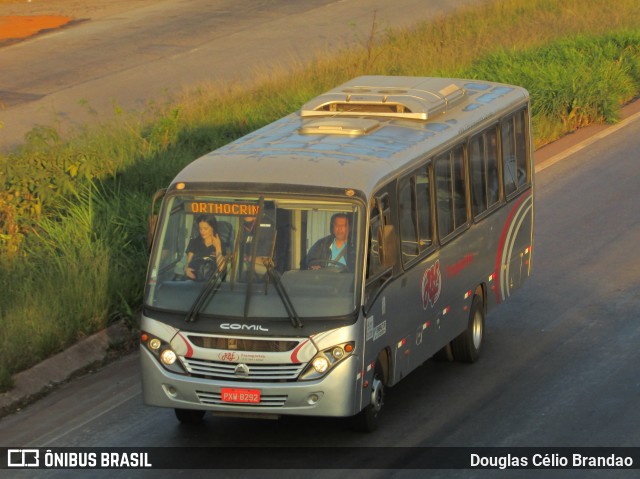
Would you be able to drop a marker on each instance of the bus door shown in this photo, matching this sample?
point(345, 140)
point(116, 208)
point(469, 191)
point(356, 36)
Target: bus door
point(380, 325)
point(395, 313)
point(421, 284)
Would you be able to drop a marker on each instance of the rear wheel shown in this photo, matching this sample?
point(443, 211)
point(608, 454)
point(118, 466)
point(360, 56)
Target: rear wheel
point(368, 419)
point(189, 416)
point(467, 346)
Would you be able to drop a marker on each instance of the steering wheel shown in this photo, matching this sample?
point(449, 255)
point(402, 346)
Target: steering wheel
point(329, 264)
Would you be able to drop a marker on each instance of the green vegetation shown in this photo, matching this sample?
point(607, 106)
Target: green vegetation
point(73, 213)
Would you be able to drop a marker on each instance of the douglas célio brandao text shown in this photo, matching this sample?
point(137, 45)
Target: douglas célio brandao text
point(550, 461)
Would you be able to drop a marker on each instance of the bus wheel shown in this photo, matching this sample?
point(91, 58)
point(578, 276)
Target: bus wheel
point(445, 354)
point(467, 346)
point(368, 419)
point(189, 416)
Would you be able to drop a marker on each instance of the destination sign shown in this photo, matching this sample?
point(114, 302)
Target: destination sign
point(223, 208)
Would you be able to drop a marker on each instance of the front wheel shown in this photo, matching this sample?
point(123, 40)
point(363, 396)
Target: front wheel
point(467, 346)
point(368, 419)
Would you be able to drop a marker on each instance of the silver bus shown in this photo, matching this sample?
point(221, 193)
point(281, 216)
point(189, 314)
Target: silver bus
point(308, 266)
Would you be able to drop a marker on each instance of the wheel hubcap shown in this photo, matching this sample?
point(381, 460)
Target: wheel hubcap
point(477, 330)
point(377, 394)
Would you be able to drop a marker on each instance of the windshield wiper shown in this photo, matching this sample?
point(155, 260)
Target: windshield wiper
point(254, 250)
point(209, 290)
point(282, 292)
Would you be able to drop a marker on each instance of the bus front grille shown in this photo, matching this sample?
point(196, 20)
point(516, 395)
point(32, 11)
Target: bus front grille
point(244, 344)
point(231, 371)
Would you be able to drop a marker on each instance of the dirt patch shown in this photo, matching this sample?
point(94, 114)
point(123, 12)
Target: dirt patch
point(20, 19)
point(13, 27)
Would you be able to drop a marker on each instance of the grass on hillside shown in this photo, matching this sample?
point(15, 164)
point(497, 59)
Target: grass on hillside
point(72, 213)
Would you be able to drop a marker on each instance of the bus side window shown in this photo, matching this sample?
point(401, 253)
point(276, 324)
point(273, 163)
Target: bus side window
point(483, 169)
point(492, 170)
point(407, 213)
point(414, 212)
point(423, 197)
point(514, 152)
point(451, 191)
point(477, 173)
point(521, 148)
point(373, 260)
point(444, 196)
point(178, 233)
point(374, 266)
point(459, 187)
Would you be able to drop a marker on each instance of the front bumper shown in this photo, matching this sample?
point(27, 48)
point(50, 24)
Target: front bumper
point(332, 395)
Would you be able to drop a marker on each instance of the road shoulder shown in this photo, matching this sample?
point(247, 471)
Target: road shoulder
point(84, 356)
point(554, 152)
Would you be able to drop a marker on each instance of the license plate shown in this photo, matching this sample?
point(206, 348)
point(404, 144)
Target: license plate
point(240, 395)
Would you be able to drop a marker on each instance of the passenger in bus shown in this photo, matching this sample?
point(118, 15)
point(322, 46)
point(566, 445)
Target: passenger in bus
point(334, 250)
point(204, 252)
point(266, 234)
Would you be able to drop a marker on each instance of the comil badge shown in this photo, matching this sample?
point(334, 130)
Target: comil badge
point(431, 285)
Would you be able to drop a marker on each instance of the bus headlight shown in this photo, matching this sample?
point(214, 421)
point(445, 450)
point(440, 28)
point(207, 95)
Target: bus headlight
point(162, 351)
point(168, 357)
point(320, 364)
point(326, 360)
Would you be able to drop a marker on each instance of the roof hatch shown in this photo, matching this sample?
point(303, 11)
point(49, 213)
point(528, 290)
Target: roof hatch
point(396, 97)
point(339, 126)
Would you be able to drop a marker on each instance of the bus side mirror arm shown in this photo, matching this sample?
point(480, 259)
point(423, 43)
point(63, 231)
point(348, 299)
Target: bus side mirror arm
point(152, 221)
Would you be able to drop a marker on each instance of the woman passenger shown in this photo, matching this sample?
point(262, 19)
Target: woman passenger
point(204, 251)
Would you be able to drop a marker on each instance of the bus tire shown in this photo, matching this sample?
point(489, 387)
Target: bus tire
point(368, 419)
point(468, 345)
point(189, 416)
point(445, 354)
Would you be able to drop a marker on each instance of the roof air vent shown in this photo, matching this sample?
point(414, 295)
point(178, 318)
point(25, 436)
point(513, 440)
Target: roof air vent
point(395, 97)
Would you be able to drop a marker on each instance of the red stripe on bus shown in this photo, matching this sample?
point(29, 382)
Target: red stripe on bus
point(189, 348)
point(294, 354)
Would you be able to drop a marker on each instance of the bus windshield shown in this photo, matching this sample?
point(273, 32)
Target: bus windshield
point(256, 257)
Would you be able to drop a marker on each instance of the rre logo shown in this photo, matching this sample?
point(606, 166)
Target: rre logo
point(431, 285)
point(23, 458)
point(232, 357)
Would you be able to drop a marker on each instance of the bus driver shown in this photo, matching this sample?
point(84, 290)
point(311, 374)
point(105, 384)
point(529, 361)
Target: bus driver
point(333, 251)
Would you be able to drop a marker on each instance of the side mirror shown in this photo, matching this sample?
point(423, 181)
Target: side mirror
point(387, 246)
point(152, 221)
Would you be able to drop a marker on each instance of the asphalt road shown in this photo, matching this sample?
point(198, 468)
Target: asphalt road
point(85, 74)
point(559, 366)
